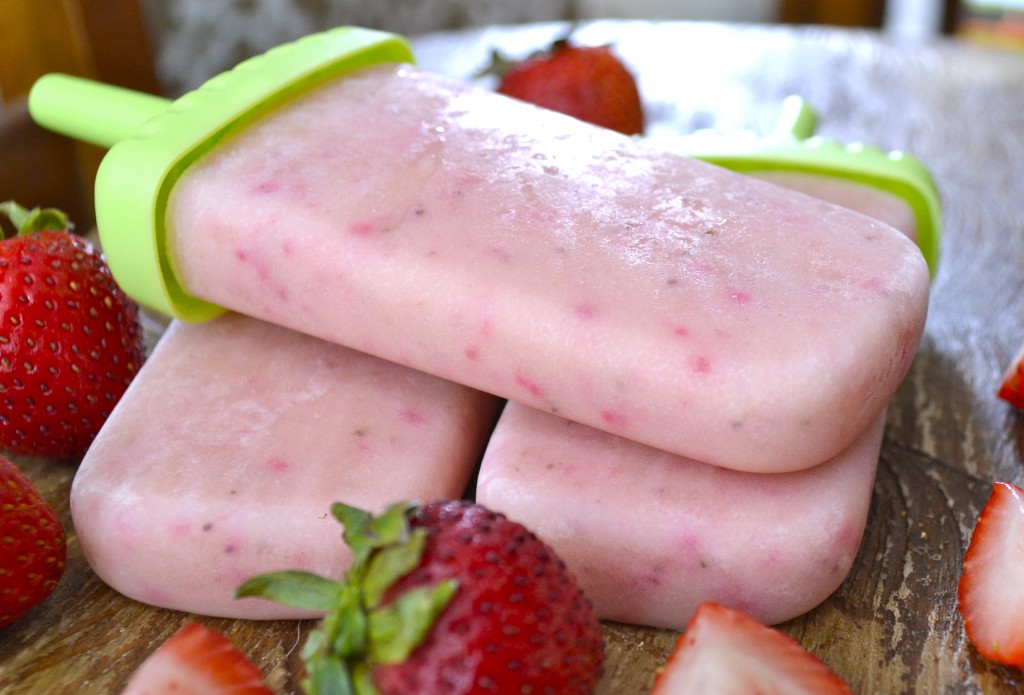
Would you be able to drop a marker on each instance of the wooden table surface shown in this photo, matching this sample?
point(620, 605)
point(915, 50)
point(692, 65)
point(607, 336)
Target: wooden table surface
point(892, 627)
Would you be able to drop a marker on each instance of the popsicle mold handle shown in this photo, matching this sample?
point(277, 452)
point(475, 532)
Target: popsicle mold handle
point(154, 141)
point(793, 146)
point(94, 112)
point(796, 121)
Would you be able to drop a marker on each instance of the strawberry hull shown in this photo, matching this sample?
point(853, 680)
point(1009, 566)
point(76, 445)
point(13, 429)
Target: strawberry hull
point(224, 456)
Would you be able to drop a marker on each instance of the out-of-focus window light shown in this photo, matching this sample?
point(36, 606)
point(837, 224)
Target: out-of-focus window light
point(914, 19)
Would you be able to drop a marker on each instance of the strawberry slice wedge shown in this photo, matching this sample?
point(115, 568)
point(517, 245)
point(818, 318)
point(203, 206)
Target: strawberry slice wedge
point(991, 589)
point(196, 660)
point(725, 651)
point(1011, 389)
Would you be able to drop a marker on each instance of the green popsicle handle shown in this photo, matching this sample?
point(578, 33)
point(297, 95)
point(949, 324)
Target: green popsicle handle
point(793, 147)
point(153, 141)
point(796, 121)
point(94, 112)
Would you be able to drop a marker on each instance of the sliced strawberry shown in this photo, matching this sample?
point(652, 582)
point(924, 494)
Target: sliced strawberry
point(725, 651)
point(991, 589)
point(1011, 389)
point(196, 660)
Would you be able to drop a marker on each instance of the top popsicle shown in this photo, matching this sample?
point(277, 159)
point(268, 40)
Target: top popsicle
point(538, 258)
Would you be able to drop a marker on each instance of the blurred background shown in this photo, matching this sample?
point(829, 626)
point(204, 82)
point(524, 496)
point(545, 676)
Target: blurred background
point(171, 46)
point(193, 40)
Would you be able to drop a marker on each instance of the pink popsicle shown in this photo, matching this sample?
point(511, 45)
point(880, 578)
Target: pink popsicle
point(650, 535)
point(557, 264)
point(223, 458)
point(774, 545)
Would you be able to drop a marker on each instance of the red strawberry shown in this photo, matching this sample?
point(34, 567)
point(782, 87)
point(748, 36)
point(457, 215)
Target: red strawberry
point(725, 651)
point(32, 545)
point(588, 82)
point(196, 660)
point(1012, 388)
point(70, 340)
point(991, 589)
point(449, 598)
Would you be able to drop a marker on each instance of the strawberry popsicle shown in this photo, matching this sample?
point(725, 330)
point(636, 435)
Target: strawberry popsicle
point(557, 264)
point(506, 247)
point(773, 545)
point(650, 536)
point(224, 456)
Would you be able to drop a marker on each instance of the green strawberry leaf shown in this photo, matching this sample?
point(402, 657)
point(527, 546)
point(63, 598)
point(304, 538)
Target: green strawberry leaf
point(328, 676)
point(397, 629)
point(294, 588)
point(364, 532)
point(356, 633)
point(34, 220)
point(390, 564)
point(346, 626)
point(362, 679)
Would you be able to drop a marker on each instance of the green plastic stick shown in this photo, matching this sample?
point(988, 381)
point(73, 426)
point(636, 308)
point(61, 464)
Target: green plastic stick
point(793, 147)
point(153, 141)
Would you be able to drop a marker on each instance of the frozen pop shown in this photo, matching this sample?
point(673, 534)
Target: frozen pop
point(650, 535)
point(224, 456)
point(537, 258)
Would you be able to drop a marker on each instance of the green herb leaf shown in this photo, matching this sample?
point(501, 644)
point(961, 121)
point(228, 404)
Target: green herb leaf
point(397, 629)
point(294, 588)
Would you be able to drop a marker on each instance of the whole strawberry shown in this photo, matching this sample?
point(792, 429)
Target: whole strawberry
point(32, 545)
point(70, 340)
point(450, 599)
point(587, 82)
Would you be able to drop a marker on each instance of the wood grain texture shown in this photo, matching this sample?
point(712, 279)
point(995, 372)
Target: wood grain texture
point(892, 627)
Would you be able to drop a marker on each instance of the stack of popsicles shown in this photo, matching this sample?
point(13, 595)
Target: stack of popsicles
point(696, 363)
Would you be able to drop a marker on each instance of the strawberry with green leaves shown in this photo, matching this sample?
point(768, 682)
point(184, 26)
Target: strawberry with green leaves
point(448, 598)
point(726, 652)
point(991, 587)
point(70, 340)
point(196, 660)
point(587, 82)
point(33, 548)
